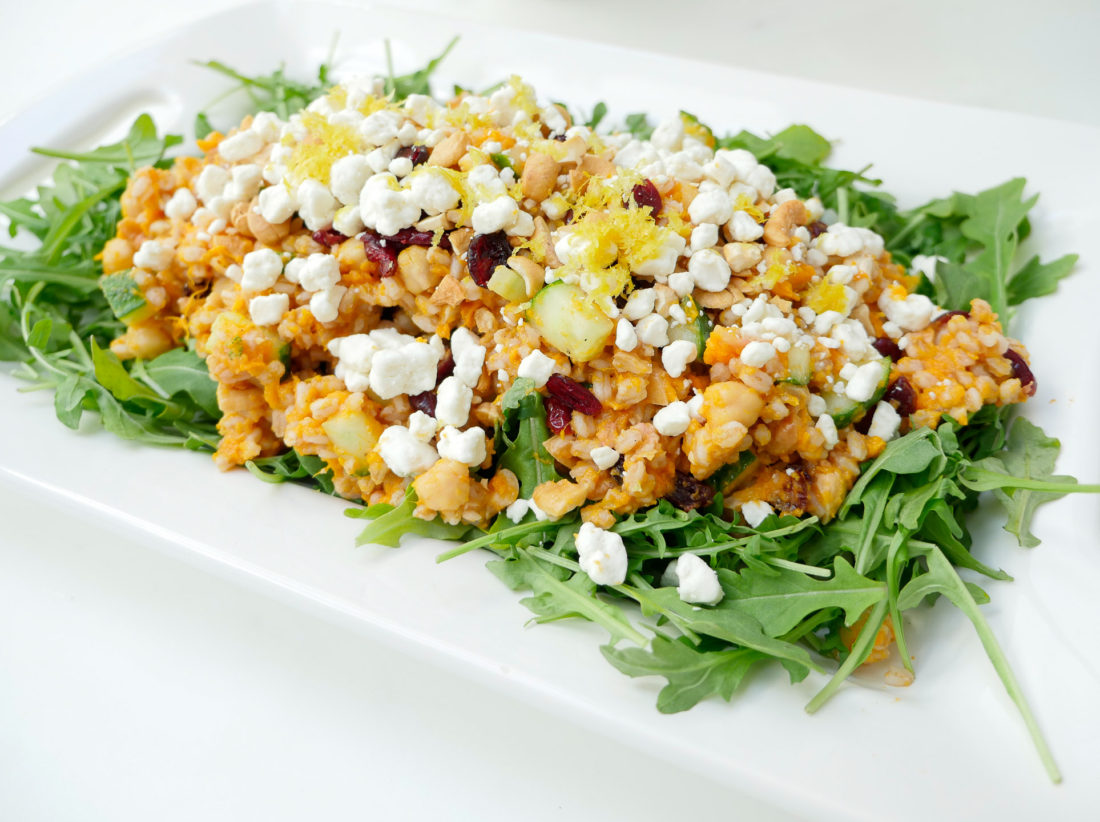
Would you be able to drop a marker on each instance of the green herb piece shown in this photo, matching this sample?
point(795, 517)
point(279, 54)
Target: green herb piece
point(692, 674)
point(522, 434)
point(389, 523)
point(417, 82)
point(780, 599)
point(303, 469)
point(501, 161)
point(598, 113)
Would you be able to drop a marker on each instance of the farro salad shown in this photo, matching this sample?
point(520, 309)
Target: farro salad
point(727, 402)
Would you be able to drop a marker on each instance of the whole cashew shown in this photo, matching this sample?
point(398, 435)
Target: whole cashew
point(784, 219)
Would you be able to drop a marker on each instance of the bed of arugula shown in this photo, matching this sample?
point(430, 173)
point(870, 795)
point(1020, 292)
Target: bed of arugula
point(790, 584)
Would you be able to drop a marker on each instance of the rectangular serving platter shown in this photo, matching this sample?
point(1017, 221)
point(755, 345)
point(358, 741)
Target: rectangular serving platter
point(950, 745)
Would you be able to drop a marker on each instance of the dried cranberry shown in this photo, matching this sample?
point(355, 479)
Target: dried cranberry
point(410, 236)
point(445, 368)
point(863, 424)
point(646, 194)
point(418, 154)
point(816, 228)
point(573, 395)
point(947, 315)
point(558, 416)
point(424, 401)
point(485, 253)
point(381, 252)
point(888, 348)
point(1022, 371)
point(902, 393)
point(328, 237)
point(689, 493)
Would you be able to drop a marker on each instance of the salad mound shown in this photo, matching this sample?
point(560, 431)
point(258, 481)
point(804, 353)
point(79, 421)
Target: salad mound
point(727, 402)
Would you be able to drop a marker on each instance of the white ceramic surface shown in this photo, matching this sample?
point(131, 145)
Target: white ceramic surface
point(951, 745)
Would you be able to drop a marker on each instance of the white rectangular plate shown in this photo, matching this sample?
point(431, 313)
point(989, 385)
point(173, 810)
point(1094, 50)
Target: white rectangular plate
point(951, 745)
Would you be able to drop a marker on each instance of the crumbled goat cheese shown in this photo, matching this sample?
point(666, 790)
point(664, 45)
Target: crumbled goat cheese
point(673, 419)
point(676, 355)
point(268, 309)
point(696, 581)
point(536, 367)
point(453, 401)
point(260, 269)
point(467, 447)
point(756, 512)
point(885, 422)
point(602, 555)
point(403, 453)
point(604, 457)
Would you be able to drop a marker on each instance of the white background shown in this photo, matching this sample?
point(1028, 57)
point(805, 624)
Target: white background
point(133, 686)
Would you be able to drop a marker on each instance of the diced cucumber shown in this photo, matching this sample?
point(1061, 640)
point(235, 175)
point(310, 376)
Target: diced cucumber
point(799, 366)
point(353, 433)
point(697, 329)
point(845, 410)
point(508, 284)
point(725, 476)
point(125, 298)
point(569, 322)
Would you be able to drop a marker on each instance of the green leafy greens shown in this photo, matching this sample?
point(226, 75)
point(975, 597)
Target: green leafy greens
point(791, 586)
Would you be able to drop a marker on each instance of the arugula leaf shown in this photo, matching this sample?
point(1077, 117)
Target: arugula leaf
point(1022, 477)
point(417, 82)
point(638, 125)
point(304, 469)
point(140, 147)
point(941, 578)
point(781, 599)
point(598, 113)
point(268, 92)
point(522, 435)
point(561, 596)
point(181, 371)
point(692, 674)
point(390, 523)
point(1038, 279)
point(798, 142)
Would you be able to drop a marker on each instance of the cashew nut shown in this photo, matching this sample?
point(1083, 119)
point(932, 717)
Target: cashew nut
point(784, 219)
point(449, 150)
point(540, 175)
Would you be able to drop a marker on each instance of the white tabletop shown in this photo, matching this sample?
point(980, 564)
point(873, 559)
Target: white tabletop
point(132, 685)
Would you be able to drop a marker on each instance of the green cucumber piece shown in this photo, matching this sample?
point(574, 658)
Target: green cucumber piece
point(568, 321)
point(845, 411)
point(799, 366)
point(125, 298)
point(725, 476)
point(508, 284)
point(697, 329)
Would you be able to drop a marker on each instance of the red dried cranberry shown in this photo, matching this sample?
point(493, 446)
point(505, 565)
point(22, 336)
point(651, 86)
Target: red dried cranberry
point(689, 493)
point(328, 237)
point(646, 194)
point(485, 253)
point(816, 228)
point(902, 394)
point(1022, 371)
point(558, 416)
point(418, 154)
point(445, 368)
point(424, 401)
point(863, 424)
point(888, 348)
point(381, 252)
point(410, 236)
point(947, 315)
point(573, 395)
